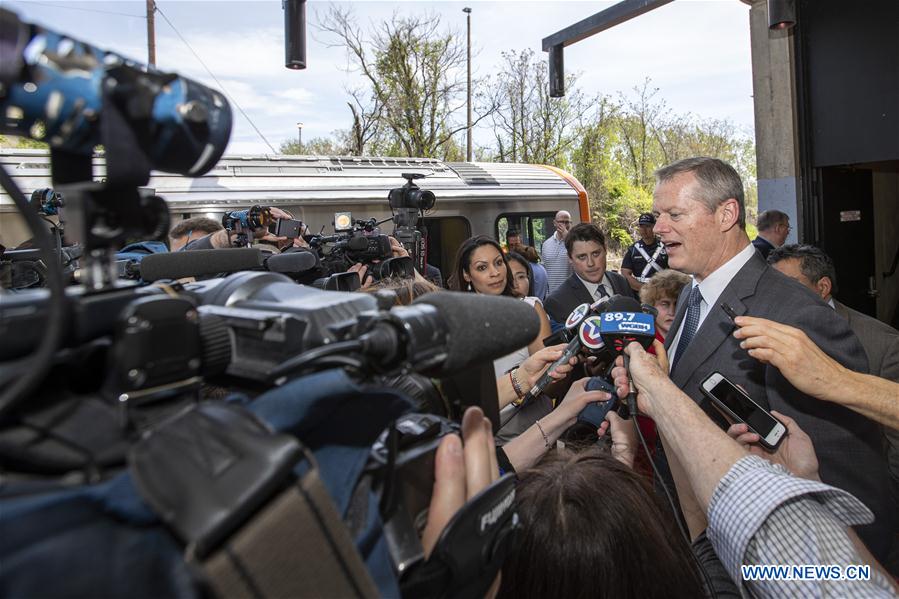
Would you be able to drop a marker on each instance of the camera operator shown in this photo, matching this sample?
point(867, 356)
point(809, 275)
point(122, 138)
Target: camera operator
point(758, 513)
point(191, 229)
point(224, 238)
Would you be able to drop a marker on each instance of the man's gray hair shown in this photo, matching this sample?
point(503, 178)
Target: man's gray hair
point(718, 181)
point(814, 264)
point(769, 219)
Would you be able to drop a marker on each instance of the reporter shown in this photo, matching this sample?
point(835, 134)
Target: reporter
point(815, 373)
point(592, 528)
point(221, 239)
point(758, 513)
point(527, 448)
point(526, 374)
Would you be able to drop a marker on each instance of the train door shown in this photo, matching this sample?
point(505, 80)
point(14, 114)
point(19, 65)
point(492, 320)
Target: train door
point(445, 235)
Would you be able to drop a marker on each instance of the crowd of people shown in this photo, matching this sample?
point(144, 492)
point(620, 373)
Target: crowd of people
point(594, 523)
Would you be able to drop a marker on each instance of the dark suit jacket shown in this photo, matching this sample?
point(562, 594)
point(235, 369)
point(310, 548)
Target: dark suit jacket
point(763, 246)
point(848, 445)
point(572, 293)
point(881, 343)
point(880, 340)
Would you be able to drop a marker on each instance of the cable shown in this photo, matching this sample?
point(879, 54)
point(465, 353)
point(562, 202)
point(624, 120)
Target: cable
point(307, 357)
point(217, 82)
point(42, 359)
point(105, 12)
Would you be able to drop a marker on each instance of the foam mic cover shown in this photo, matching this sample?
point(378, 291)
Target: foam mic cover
point(357, 244)
point(198, 263)
point(292, 262)
point(621, 303)
point(482, 327)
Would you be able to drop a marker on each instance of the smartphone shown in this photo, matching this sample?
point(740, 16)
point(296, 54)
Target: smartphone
point(740, 407)
point(286, 227)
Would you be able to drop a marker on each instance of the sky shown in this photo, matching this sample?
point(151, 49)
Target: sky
point(697, 52)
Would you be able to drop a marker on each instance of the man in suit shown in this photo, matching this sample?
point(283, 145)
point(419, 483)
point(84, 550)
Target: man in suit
point(586, 247)
point(699, 207)
point(814, 269)
point(773, 227)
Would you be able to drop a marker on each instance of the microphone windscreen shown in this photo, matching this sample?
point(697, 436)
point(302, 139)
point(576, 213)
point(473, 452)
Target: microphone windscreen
point(198, 263)
point(622, 303)
point(482, 327)
point(357, 244)
point(292, 262)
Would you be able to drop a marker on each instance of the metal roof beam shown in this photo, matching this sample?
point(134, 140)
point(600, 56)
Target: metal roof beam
point(606, 19)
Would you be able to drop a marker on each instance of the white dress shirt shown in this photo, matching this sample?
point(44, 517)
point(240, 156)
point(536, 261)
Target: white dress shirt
point(711, 289)
point(592, 287)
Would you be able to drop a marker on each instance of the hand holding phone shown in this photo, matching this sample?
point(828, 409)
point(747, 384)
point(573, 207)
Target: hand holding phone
point(738, 406)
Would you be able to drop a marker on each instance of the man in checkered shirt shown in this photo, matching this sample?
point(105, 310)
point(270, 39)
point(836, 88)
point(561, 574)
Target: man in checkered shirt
point(758, 513)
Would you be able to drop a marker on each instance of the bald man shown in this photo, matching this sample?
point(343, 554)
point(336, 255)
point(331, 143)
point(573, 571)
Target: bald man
point(553, 253)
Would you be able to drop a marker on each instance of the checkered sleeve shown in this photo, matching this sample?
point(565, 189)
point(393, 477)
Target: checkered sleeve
point(762, 515)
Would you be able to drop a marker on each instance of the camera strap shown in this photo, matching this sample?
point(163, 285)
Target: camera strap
point(225, 484)
point(471, 549)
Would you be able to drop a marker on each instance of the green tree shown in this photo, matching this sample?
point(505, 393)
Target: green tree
point(13, 141)
point(415, 84)
point(528, 124)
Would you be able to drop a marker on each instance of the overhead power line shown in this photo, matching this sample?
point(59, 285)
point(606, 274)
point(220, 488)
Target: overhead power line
point(217, 82)
point(105, 12)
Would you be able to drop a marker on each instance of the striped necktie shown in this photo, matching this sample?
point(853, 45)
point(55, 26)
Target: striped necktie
point(691, 323)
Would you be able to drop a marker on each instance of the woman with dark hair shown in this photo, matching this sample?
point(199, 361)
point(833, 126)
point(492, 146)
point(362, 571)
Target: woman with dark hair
point(482, 267)
point(591, 527)
point(522, 275)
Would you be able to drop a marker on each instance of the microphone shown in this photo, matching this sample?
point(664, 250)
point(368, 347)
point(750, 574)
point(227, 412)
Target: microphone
point(574, 330)
point(481, 327)
point(625, 322)
point(291, 262)
point(198, 263)
point(440, 335)
point(202, 263)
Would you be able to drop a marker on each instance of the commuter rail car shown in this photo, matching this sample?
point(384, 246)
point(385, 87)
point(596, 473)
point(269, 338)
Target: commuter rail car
point(472, 198)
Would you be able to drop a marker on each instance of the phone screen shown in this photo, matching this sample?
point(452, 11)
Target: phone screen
point(745, 408)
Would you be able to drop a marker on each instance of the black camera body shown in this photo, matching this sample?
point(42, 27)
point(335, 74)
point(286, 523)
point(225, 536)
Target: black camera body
point(408, 203)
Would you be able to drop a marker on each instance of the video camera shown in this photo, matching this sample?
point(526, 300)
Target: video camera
point(129, 362)
point(356, 241)
point(408, 203)
point(244, 223)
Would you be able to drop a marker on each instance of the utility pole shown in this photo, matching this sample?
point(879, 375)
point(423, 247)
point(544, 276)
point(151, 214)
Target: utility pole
point(151, 32)
point(300, 135)
point(467, 11)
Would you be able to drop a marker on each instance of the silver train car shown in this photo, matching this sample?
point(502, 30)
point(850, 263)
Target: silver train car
point(472, 198)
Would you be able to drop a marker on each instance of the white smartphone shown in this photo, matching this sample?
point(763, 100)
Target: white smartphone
point(740, 407)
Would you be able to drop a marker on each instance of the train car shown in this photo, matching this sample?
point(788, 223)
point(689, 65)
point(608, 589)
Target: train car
point(472, 198)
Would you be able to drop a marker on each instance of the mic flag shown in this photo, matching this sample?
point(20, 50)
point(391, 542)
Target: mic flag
point(618, 329)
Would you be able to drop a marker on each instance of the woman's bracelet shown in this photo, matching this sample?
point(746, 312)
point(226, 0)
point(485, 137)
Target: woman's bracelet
point(516, 386)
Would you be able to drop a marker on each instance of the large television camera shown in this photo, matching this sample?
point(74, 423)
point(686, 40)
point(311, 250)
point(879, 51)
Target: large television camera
point(408, 203)
point(129, 362)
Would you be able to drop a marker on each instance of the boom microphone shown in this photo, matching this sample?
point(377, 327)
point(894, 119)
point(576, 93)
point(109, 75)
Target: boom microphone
point(203, 263)
point(291, 262)
point(198, 263)
point(440, 335)
point(481, 327)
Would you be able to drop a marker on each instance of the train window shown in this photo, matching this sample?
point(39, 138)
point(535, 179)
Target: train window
point(534, 227)
point(445, 235)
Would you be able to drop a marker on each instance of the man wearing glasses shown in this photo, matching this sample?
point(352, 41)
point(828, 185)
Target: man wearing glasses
point(773, 226)
point(553, 253)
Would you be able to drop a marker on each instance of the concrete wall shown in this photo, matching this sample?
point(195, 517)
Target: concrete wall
point(775, 118)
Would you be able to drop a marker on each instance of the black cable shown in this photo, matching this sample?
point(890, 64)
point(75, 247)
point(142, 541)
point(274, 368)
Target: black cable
point(308, 357)
point(632, 404)
point(42, 359)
